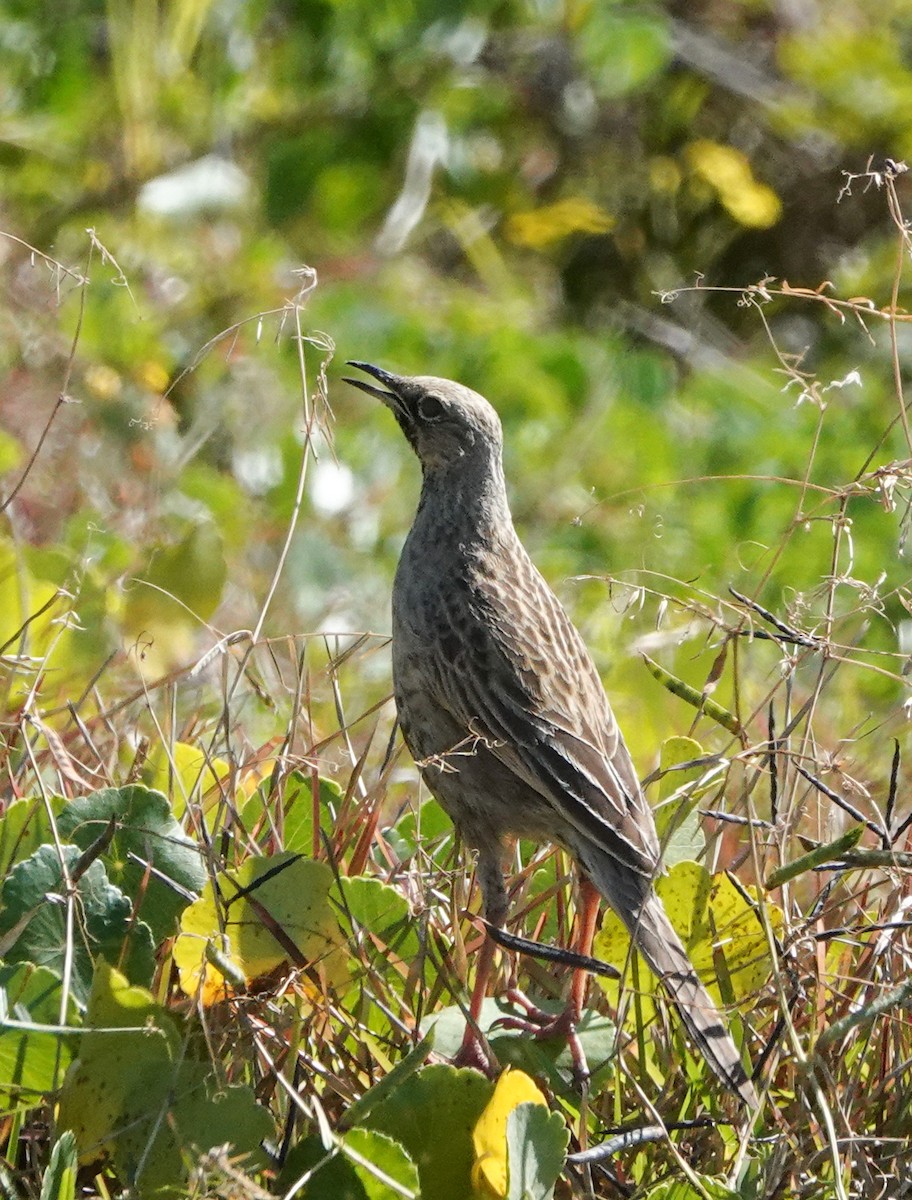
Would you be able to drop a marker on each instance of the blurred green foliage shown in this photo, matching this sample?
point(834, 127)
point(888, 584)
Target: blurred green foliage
point(500, 192)
point(588, 210)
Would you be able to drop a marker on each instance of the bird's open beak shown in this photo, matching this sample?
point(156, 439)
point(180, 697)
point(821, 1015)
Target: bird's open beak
point(391, 397)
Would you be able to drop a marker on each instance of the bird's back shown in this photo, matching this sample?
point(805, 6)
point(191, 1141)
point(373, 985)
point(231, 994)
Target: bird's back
point(479, 636)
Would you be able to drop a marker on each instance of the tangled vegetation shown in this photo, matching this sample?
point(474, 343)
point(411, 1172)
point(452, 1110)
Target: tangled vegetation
point(236, 938)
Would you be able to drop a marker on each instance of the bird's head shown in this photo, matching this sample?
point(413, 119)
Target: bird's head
point(443, 421)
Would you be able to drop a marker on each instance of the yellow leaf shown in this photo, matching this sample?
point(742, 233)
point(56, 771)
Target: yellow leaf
point(678, 823)
point(154, 376)
point(490, 1176)
point(103, 382)
point(711, 916)
point(227, 935)
point(542, 226)
point(728, 171)
point(185, 773)
point(105, 1081)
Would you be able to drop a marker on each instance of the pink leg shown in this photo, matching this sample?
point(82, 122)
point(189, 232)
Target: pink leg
point(546, 1025)
point(588, 919)
point(473, 1052)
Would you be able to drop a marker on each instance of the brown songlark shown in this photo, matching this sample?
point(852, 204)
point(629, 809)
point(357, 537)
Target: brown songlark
point(502, 707)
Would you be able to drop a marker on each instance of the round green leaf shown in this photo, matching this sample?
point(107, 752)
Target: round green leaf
point(711, 917)
point(432, 1114)
point(147, 835)
point(382, 911)
point(294, 825)
point(34, 908)
point(133, 1096)
point(678, 823)
point(32, 1062)
point(536, 1149)
point(265, 912)
point(24, 827)
point(377, 1159)
point(550, 1058)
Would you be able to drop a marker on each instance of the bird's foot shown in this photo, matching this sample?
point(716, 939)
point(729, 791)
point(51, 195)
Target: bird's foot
point(475, 1052)
point(546, 1025)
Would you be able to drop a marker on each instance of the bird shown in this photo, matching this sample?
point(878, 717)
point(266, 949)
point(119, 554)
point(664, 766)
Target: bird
point(503, 710)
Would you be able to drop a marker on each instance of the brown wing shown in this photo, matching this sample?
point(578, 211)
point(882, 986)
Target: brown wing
point(526, 682)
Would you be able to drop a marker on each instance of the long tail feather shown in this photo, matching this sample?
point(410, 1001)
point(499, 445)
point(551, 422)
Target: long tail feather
point(662, 949)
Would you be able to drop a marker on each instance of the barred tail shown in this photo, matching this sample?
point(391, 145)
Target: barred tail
point(662, 949)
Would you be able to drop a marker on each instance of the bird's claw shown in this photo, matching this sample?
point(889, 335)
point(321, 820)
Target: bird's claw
point(544, 1026)
point(477, 1054)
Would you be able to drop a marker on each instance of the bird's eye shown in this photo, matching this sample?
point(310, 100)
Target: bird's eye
point(430, 408)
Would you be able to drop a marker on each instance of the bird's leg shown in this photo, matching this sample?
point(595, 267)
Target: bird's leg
point(590, 900)
point(547, 1025)
point(474, 1051)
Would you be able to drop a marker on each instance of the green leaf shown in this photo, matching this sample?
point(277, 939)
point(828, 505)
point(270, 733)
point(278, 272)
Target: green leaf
point(448, 1024)
point(550, 1058)
point(622, 51)
point(59, 1181)
point(34, 915)
point(383, 912)
point(368, 1148)
point(413, 829)
point(185, 772)
point(32, 1061)
point(24, 827)
point(705, 911)
point(147, 835)
point(678, 823)
point(360, 1168)
point(432, 1114)
point(413, 1061)
point(133, 1095)
point(553, 1059)
point(333, 1178)
point(712, 918)
point(536, 1150)
point(202, 1114)
point(299, 813)
point(294, 825)
point(683, 1189)
point(117, 1076)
